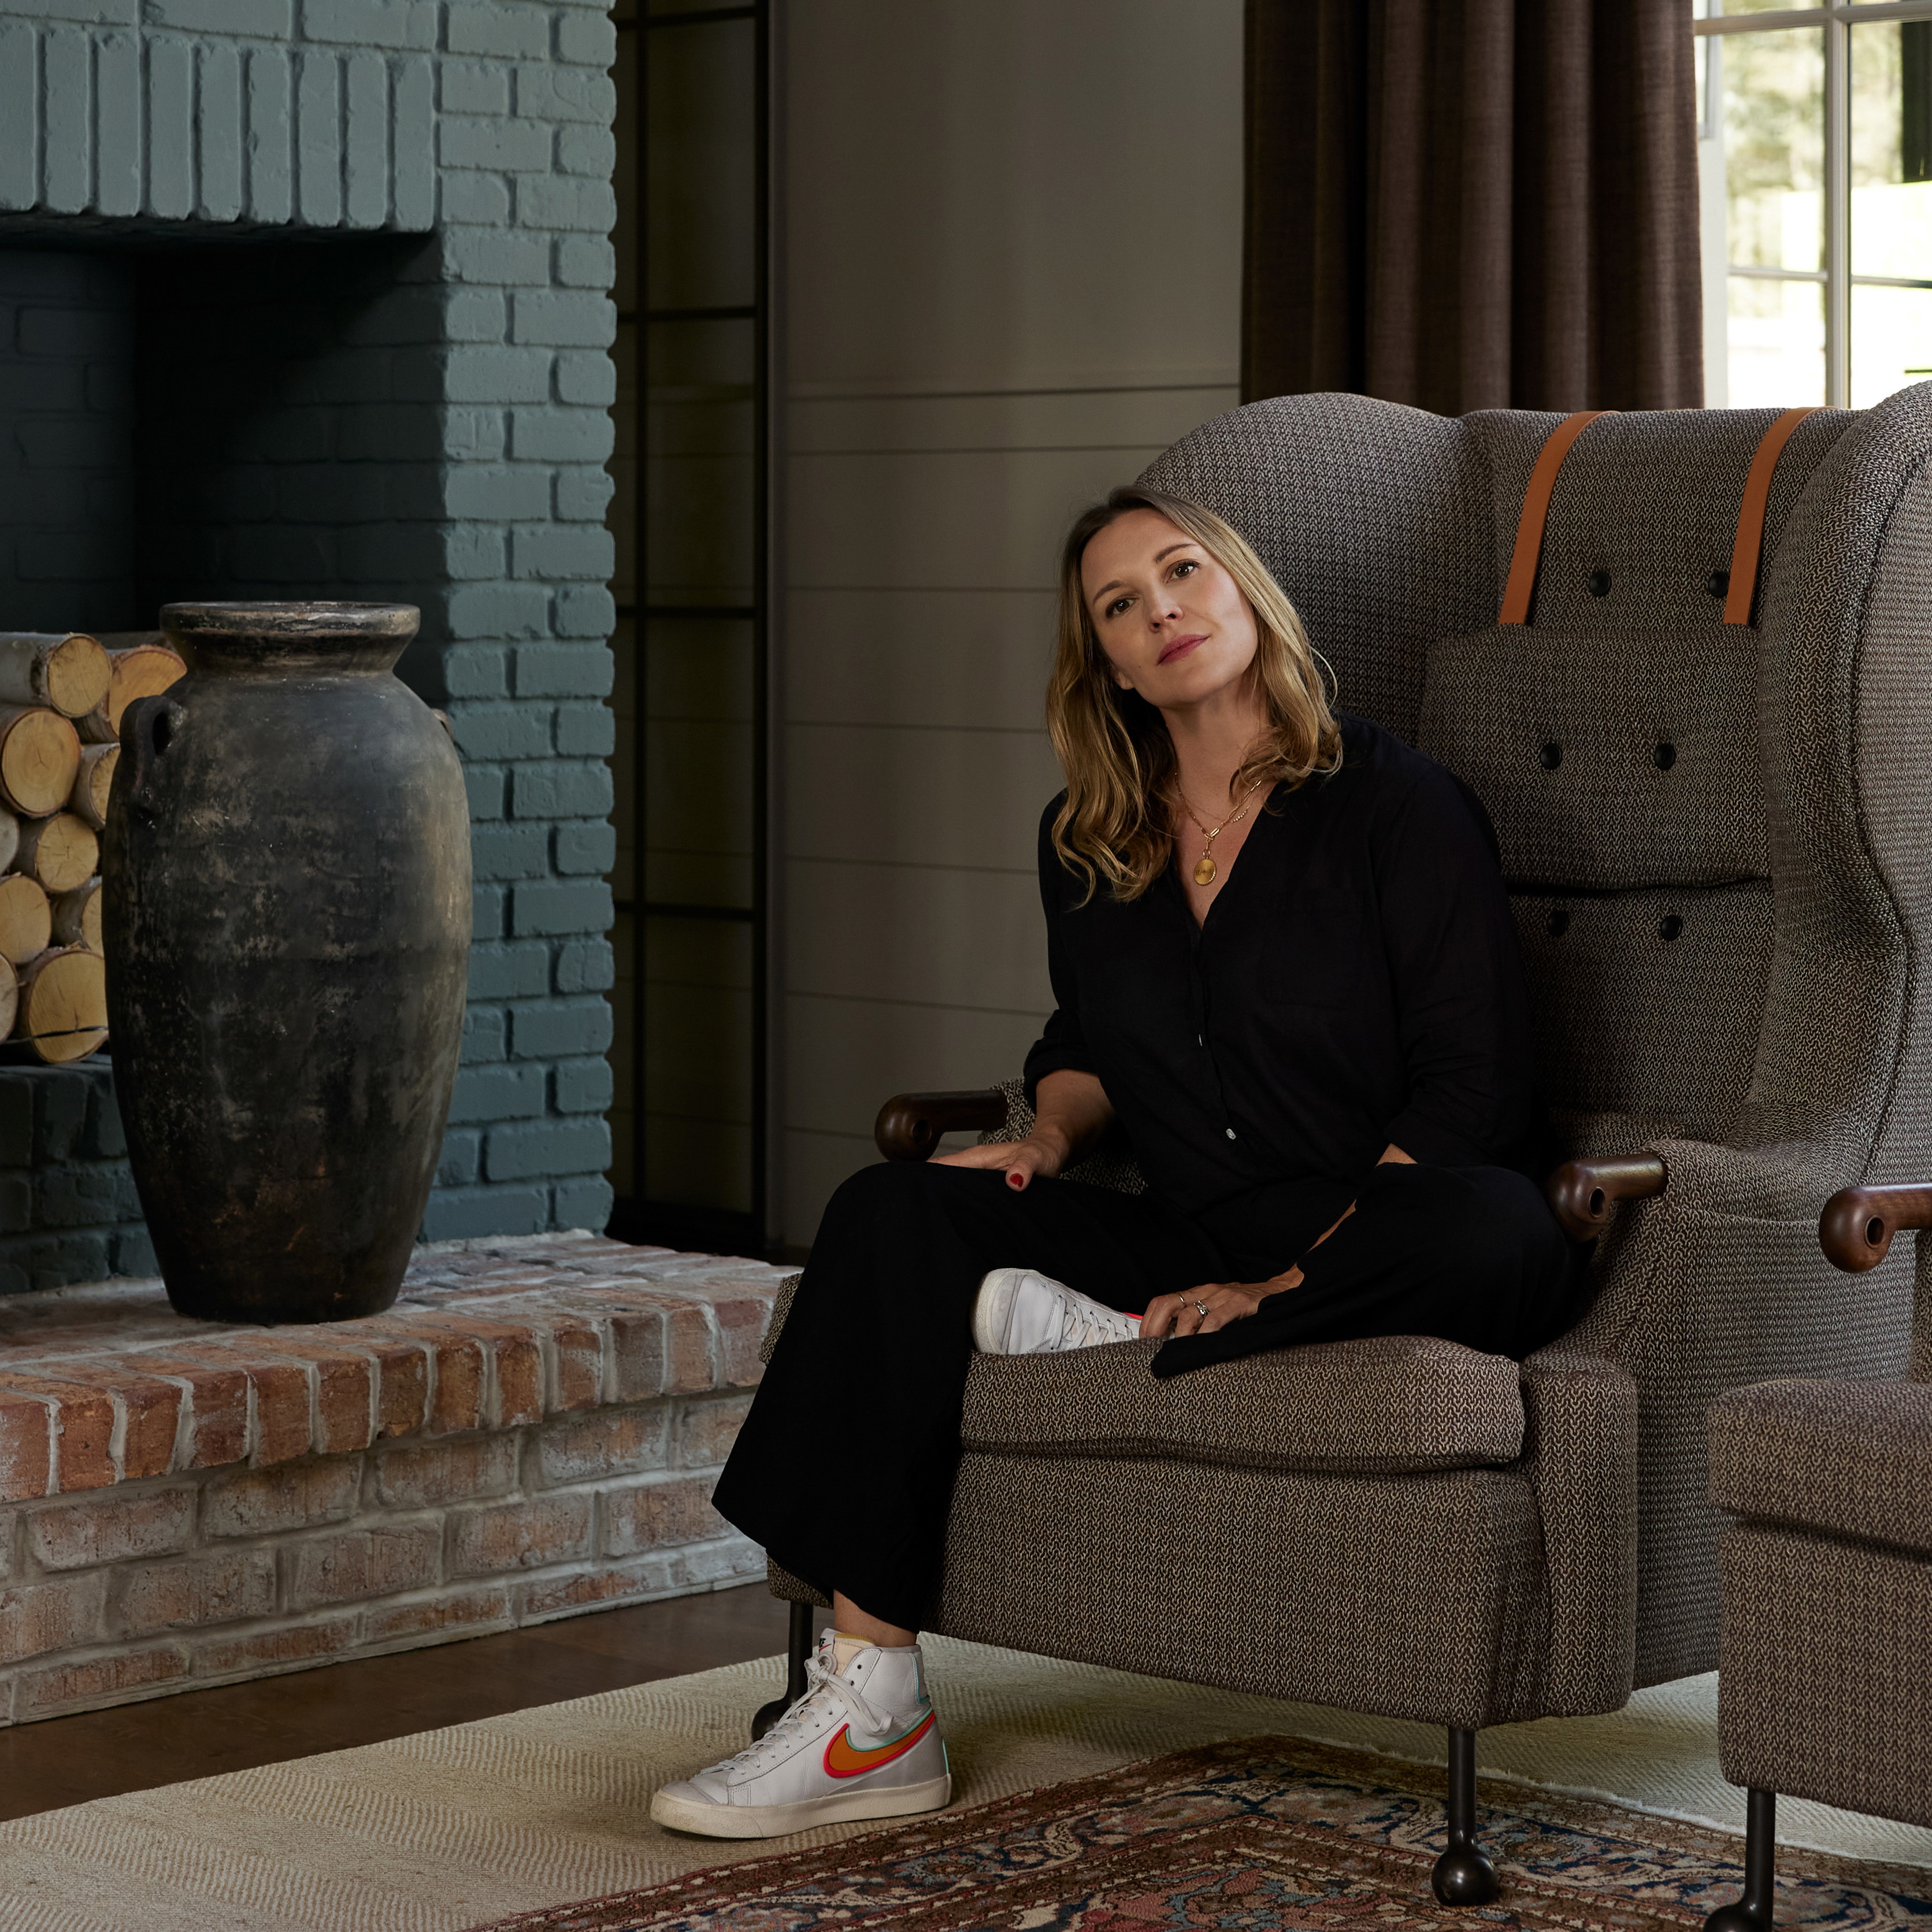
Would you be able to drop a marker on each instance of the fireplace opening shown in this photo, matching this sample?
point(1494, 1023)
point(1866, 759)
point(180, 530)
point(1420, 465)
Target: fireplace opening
point(260, 417)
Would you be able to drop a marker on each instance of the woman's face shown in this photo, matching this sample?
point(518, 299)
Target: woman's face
point(1175, 626)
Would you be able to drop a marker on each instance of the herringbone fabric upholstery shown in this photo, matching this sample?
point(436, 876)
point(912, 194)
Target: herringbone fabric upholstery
point(1720, 942)
point(1851, 1459)
point(1825, 1692)
point(1407, 1404)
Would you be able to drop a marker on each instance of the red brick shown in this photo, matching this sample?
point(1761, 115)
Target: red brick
point(263, 1651)
point(216, 1588)
point(352, 1563)
point(685, 1361)
point(344, 1416)
point(456, 1396)
point(655, 1515)
point(431, 1474)
point(217, 1398)
point(519, 1365)
point(742, 1305)
point(83, 1429)
point(39, 1618)
point(520, 1535)
point(26, 1447)
point(614, 1442)
point(726, 1560)
point(149, 1409)
point(280, 1402)
point(100, 1680)
point(265, 1502)
point(707, 1429)
point(636, 1353)
point(577, 1381)
point(556, 1596)
point(402, 1392)
point(111, 1529)
point(473, 1608)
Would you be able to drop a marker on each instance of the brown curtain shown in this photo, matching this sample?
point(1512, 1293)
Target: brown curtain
point(1473, 204)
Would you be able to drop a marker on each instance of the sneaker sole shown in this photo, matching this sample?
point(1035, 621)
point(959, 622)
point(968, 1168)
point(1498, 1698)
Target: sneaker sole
point(778, 1821)
point(992, 1307)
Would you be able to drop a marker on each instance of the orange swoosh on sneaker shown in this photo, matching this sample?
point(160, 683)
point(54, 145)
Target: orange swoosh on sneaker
point(844, 1760)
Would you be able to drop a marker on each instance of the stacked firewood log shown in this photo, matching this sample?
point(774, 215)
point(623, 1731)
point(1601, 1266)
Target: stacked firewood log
point(60, 701)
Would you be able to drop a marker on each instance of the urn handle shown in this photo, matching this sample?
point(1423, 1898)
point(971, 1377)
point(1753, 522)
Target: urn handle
point(148, 728)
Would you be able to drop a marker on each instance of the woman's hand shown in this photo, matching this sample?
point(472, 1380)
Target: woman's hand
point(1200, 1311)
point(1073, 1113)
point(1039, 1153)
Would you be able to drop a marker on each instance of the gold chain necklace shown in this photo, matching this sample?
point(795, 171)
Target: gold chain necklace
point(1205, 870)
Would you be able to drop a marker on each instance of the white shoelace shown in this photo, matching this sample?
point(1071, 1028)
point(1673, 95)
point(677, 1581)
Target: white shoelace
point(821, 1681)
point(1082, 1325)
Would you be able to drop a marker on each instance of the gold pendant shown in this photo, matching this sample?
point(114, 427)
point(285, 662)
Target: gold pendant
point(1204, 874)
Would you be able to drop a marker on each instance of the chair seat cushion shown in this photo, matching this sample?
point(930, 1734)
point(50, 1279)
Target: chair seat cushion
point(1401, 1402)
point(1850, 1459)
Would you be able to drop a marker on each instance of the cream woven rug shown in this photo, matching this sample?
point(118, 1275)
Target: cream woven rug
point(448, 1829)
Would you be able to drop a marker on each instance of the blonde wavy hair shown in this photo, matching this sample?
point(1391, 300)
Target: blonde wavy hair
point(1114, 746)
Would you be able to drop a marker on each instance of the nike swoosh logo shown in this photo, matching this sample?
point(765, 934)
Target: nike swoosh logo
point(845, 1759)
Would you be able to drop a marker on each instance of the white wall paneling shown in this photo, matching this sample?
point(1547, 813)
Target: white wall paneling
point(1012, 263)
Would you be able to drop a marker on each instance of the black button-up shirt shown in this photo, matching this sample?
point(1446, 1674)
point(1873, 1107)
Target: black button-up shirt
point(1356, 982)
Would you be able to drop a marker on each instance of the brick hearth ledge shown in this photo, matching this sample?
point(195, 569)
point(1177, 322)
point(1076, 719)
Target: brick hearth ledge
point(532, 1432)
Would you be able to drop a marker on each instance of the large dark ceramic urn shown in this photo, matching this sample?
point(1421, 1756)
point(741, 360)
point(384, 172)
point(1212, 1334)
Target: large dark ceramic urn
point(287, 886)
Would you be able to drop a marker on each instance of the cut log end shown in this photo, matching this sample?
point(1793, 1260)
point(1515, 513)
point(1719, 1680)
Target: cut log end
point(26, 919)
point(141, 672)
point(63, 1006)
point(61, 853)
point(66, 669)
point(39, 759)
point(95, 785)
point(76, 917)
point(77, 676)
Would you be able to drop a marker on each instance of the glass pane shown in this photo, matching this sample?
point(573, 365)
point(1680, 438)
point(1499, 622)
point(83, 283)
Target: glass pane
point(624, 763)
point(1891, 341)
point(1774, 159)
point(620, 518)
point(1776, 342)
point(623, 1035)
point(700, 232)
point(1709, 10)
point(699, 780)
point(702, 472)
point(697, 1040)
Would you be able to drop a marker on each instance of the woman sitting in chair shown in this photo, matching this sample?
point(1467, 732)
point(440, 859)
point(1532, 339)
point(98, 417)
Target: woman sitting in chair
point(1285, 965)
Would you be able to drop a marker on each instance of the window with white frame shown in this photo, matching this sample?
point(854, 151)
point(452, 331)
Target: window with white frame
point(1815, 162)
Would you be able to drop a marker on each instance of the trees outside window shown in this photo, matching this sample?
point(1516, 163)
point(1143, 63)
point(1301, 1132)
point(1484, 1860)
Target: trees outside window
point(1815, 149)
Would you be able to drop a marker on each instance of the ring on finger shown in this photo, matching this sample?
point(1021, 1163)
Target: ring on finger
point(1201, 1308)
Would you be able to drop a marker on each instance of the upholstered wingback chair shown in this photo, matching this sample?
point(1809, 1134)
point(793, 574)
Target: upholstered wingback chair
point(1704, 737)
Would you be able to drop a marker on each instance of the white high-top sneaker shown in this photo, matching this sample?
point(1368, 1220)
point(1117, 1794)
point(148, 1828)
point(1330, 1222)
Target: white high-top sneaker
point(1019, 1312)
point(863, 1742)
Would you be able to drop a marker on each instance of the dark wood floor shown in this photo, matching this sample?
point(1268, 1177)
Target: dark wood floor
point(67, 1760)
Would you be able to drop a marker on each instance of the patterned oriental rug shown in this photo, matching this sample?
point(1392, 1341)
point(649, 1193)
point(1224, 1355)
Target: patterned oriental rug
point(1257, 1834)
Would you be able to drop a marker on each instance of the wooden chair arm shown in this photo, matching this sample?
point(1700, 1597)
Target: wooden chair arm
point(910, 1125)
point(1580, 1191)
point(1856, 1228)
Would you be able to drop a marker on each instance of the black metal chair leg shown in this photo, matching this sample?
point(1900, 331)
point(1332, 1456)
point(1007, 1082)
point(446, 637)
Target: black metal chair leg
point(1462, 1875)
point(803, 1615)
point(1751, 1912)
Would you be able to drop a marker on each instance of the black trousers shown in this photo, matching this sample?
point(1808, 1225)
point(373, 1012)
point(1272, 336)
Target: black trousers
point(843, 1471)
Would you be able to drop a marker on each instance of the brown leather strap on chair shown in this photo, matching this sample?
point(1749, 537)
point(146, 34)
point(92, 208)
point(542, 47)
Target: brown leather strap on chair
point(1749, 547)
point(1522, 585)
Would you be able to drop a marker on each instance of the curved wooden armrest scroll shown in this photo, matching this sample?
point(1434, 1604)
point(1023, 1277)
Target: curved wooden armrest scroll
point(910, 1125)
point(1856, 1228)
point(1580, 1191)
